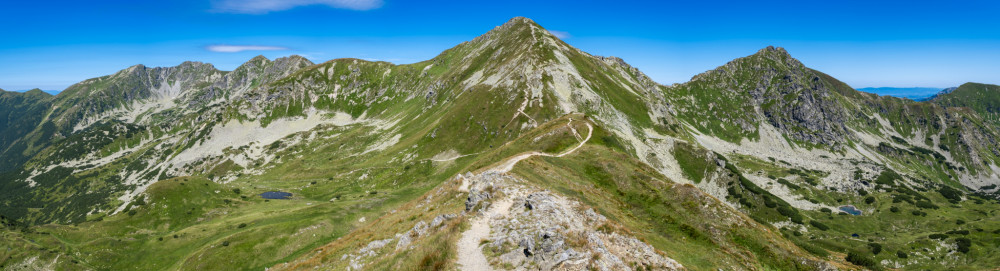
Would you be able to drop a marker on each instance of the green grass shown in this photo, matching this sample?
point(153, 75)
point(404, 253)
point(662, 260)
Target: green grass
point(694, 162)
point(677, 219)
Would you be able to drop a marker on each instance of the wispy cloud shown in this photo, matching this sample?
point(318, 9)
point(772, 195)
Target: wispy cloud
point(560, 34)
point(222, 48)
point(265, 6)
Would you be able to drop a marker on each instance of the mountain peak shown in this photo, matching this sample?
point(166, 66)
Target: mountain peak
point(770, 56)
point(259, 58)
point(257, 61)
point(519, 20)
point(130, 70)
point(261, 61)
point(981, 98)
point(970, 88)
point(294, 59)
point(772, 49)
point(776, 56)
point(772, 52)
point(517, 27)
point(37, 92)
point(196, 64)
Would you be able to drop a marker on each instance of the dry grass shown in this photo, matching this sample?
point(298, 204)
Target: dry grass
point(431, 251)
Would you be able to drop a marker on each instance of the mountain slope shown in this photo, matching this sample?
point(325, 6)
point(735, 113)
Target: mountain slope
point(553, 156)
point(793, 169)
point(21, 114)
point(807, 108)
point(771, 83)
point(982, 98)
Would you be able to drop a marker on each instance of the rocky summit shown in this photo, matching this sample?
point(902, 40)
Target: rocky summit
point(511, 151)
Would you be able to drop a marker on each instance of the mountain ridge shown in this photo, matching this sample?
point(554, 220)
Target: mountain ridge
point(976, 96)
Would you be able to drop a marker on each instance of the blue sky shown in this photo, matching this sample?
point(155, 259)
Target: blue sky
point(53, 44)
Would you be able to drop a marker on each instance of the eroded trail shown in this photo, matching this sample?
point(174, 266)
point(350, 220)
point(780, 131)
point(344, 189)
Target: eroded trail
point(470, 255)
point(506, 166)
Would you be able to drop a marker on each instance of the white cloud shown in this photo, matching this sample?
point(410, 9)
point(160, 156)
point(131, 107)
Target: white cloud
point(222, 48)
point(560, 34)
point(265, 6)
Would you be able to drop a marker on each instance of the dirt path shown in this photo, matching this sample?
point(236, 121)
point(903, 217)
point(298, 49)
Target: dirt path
point(453, 158)
point(470, 255)
point(575, 134)
point(520, 110)
point(509, 164)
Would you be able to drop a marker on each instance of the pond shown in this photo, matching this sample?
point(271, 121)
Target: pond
point(276, 195)
point(850, 209)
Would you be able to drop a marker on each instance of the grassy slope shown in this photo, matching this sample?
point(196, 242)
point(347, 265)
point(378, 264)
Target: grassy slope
point(983, 98)
point(424, 205)
point(893, 218)
point(695, 229)
point(204, 214)
point(645, 204)
point(20, 114)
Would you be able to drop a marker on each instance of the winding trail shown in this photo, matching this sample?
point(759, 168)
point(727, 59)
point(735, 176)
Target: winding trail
point(454, 158)
point(509, 164)
point(470, 255)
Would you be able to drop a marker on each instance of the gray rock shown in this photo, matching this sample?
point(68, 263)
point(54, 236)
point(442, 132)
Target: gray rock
point(438, 220)
point(476, 197)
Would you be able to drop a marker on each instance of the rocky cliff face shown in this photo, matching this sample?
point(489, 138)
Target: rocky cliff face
point(767, 87)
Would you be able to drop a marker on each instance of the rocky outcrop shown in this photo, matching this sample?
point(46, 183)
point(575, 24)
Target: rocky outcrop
point(773, 87)
point(532, 229)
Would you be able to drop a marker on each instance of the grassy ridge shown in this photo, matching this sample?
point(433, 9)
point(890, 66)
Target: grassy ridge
point(696, 230)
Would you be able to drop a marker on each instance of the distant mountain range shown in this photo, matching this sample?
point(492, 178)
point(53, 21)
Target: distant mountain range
point(914, 93)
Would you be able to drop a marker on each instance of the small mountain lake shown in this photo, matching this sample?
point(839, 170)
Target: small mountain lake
point(850, 209)
point(276, 195)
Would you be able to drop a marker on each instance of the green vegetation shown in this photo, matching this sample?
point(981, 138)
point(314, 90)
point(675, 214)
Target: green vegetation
point(862, 259)
point(819, 225)
point(982, 98)
point(670, 211)
point(693, 164)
